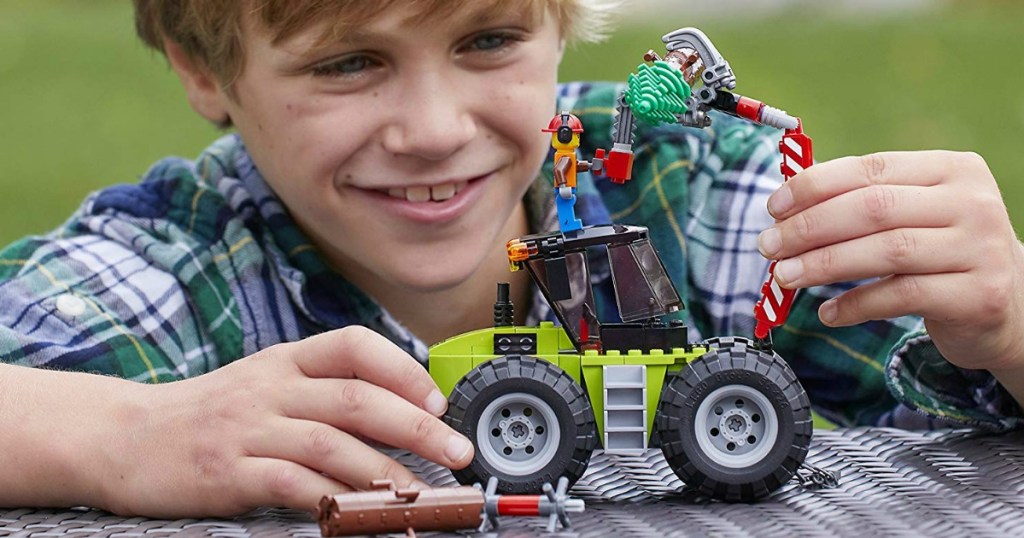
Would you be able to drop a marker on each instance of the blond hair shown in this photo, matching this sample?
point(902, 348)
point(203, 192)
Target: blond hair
point(210, 31)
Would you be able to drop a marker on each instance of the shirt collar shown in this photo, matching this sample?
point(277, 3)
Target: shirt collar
point(326, 298)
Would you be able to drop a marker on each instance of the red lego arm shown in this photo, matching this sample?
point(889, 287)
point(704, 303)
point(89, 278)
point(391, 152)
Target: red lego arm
point(773, 308)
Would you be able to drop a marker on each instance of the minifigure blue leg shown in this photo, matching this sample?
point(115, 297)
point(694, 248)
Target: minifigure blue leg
point(567, 221)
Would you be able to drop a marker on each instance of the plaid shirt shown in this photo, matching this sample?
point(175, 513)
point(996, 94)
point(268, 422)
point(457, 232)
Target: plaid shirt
point(200, 264)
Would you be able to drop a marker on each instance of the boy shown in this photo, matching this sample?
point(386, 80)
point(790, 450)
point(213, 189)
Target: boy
point(385, 154)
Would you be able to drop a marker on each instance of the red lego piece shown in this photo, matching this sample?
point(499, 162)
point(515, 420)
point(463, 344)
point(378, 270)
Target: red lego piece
point(618, 165)
point(773, 308)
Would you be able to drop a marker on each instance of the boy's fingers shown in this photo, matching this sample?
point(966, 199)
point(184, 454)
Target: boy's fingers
point(326, 449)
point(856, 214)
point(360, 353)
point(366, 410)
point(278, 483)
point(832, 178)
point(901, 251)
point(928, 296)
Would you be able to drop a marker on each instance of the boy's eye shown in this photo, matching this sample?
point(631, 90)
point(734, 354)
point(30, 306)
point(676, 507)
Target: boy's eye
point(348, 66)
point(489, 41)
point(492, 41)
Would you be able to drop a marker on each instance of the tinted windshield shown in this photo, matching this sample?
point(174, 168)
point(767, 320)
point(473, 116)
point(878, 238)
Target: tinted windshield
point(642, 289)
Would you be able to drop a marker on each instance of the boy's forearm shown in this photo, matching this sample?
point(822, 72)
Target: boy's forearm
point(56, 435)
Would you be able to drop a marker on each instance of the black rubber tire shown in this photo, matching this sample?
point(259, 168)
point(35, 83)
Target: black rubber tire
point(536, 378)
point(731, 362)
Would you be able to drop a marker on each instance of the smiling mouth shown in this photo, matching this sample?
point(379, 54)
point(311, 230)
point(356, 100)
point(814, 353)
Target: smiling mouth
point(435, 193)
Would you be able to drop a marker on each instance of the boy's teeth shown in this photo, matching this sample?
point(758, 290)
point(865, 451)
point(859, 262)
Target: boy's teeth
point(442, 192)
point(438, 193)
point(417, 194)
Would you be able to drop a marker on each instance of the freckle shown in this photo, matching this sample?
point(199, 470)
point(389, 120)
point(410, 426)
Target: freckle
point(348, 176)
point(375, 94)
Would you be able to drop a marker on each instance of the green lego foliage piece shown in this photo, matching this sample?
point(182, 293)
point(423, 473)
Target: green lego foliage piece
point(657, 92)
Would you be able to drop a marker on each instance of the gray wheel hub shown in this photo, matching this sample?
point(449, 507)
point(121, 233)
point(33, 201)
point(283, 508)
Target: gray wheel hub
point(736, 426)
point(517, 431)
point(518, 434)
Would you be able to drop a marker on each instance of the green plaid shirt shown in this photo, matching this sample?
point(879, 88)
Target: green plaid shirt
point(200, 264)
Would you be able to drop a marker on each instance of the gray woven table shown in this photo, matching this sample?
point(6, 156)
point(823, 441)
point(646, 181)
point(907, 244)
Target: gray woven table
point(893, 483)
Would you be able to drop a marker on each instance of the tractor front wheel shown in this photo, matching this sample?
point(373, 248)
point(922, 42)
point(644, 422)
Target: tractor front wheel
point(529, 421)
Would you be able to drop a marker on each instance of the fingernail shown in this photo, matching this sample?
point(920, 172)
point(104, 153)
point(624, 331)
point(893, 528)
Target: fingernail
point(828, 312)
point(435, 404)
point(458, 448)
point(781, 201)
point(789, 271)
point(769, 242)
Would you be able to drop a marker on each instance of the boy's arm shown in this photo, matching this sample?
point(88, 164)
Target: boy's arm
point(281, 427)
point(53, 424)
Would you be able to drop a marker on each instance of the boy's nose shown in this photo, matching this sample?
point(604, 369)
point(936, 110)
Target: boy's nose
point(433, 123)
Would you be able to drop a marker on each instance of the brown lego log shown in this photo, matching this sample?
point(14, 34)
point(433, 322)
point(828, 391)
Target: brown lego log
point(386, 509)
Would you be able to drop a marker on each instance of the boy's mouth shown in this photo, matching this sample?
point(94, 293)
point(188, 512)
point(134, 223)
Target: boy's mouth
point(429, 204)
point(422, 193)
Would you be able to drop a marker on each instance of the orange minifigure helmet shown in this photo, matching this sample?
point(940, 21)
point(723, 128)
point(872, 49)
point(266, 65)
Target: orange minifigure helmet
point(565, 125)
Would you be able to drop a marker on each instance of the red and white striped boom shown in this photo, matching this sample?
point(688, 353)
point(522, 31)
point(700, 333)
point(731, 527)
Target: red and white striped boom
point(773, 308)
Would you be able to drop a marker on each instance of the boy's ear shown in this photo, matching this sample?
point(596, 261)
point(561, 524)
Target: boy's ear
point(203, 91)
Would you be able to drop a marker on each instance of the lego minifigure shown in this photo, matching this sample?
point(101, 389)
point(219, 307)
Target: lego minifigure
point(565, 130)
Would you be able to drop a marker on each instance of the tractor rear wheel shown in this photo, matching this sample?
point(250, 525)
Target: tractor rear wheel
point(734, 424)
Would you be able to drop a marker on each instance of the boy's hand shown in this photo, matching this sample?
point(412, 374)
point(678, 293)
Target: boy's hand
point(933, 226)
point(283, 427)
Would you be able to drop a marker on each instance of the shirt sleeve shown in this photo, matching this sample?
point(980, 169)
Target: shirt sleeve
point(91, 297)
point(929, 385)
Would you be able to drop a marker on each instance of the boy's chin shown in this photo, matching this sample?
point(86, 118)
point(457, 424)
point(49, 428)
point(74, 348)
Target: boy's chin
point(434, 280)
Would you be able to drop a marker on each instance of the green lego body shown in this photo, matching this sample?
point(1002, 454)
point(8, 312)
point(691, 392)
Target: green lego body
point(453, 358)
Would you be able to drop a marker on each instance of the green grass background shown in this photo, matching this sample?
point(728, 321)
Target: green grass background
point(83, 105)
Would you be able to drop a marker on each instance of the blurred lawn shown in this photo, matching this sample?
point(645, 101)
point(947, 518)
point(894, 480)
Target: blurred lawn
point(83, 105)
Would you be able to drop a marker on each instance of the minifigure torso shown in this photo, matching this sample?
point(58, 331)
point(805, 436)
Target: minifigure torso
point(569, 154)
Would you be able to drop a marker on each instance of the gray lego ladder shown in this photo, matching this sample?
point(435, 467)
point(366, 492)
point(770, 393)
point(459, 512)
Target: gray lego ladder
point(625, 409)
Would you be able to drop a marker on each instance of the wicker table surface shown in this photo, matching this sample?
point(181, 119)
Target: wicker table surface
point(893, 483)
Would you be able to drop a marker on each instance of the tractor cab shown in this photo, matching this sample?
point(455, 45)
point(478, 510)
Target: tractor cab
point(560, 266)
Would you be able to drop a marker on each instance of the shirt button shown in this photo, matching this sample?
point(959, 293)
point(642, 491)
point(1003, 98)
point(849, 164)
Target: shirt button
point(70, 305)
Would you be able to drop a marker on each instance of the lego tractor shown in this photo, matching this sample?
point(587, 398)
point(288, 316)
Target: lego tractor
point(728, 413)
point(730, 416)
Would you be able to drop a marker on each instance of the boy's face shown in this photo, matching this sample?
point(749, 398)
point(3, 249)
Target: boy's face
point(403, 152)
